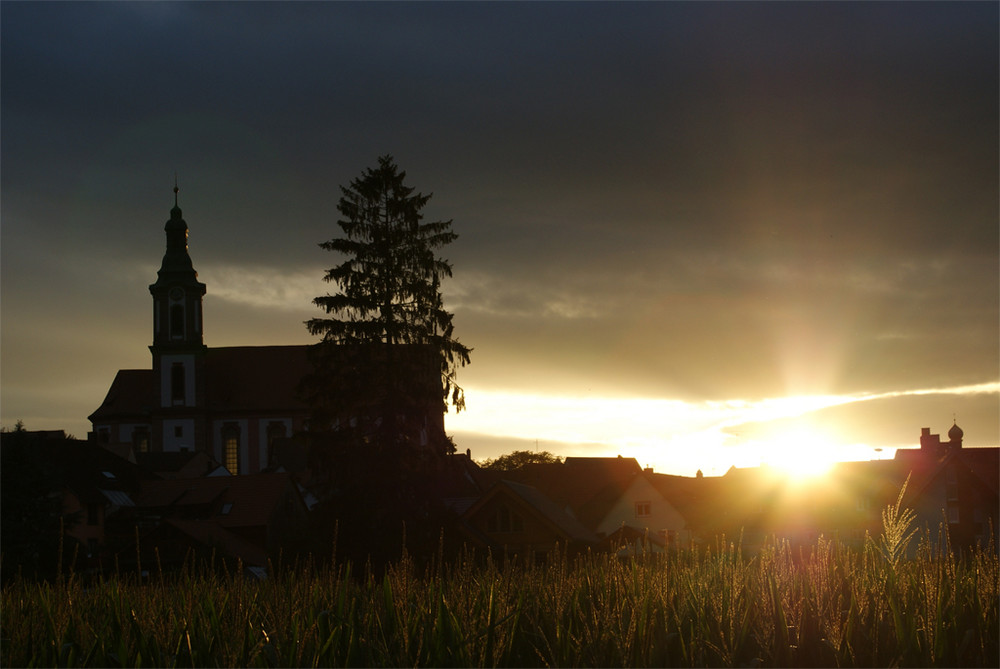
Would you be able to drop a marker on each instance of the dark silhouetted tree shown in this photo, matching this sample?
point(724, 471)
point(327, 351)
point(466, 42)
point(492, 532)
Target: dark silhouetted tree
point(517, 459)
point(31, 517)
point(385, 368)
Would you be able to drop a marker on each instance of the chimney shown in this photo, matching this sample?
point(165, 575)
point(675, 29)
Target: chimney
point(929, 442)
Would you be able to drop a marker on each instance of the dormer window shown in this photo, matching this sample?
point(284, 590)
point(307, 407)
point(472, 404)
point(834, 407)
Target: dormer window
point(226, 508)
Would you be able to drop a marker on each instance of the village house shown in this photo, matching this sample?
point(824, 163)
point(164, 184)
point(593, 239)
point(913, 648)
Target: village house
point(947, 486)
point(252, 518)
point(613, 504)
point(94, 487)
point(953, 487)
point(602, 503)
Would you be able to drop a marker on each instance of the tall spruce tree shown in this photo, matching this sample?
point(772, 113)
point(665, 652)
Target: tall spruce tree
point(388, 353)
point(386, 364)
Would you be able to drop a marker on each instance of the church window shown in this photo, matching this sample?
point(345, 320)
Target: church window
point(177, 321)
point(177, 383)
point(231, 447)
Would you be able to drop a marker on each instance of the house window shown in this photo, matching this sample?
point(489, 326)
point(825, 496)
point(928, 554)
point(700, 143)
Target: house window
point(140, 439)
point(177, 383)
point(275, 431)
point(505, 520)
point(178, 431)
point(177, 321)
point(231, 447)
point(642, 509)
point(92, 545)
point(953, 517)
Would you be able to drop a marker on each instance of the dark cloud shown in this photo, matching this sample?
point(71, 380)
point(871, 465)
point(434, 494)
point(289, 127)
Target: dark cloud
point(695, 199)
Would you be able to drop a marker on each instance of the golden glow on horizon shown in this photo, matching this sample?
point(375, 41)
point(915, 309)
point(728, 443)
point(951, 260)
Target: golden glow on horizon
point(677, 436)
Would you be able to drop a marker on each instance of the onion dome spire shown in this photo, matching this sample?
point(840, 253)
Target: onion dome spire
point(177, 268)
point(956, 433)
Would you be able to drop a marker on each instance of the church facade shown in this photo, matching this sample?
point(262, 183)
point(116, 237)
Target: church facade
point(232, 403)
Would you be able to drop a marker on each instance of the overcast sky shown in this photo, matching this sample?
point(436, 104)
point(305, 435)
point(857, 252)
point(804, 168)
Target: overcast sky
point(684, 208)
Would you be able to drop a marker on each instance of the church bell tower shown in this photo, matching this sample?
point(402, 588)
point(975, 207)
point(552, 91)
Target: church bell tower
point(178, 347)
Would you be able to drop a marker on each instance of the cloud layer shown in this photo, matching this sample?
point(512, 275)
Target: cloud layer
point(679, 202)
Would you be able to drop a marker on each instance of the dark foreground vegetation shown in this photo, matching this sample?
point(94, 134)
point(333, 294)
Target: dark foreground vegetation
point(827, 606)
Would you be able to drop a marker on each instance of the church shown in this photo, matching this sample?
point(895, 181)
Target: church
point(231, 403)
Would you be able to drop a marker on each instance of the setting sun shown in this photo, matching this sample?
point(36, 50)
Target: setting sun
point(801, 453)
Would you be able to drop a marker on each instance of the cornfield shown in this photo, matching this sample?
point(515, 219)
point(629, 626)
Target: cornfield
point(826, 606)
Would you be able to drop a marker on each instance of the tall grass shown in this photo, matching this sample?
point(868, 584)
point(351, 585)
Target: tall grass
point(825, 606)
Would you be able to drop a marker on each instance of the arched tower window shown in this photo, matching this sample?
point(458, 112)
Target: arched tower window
point(178, 382)
point(177, 321)
point(231, 447)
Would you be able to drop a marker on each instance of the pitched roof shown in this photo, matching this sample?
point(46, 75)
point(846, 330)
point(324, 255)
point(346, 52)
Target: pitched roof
point(545, 509)
point(256, 378)
point(238, 378)
point(577, 481)
point(81, 466)
point(213, 535)
point(177, 464)
point(254, 498)
point(984, 463)
point(132, 393)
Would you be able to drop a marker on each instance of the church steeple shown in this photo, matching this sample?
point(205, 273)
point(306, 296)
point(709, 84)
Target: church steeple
point(177, 293)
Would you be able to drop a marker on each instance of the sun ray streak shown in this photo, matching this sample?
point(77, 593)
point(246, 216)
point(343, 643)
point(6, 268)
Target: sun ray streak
point(654, 430)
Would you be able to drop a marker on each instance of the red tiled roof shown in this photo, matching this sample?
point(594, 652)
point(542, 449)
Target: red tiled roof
point(985, 464)
point(132, 393)
point(238, 378)
point(545, 510)
point(256, 378)
point(577, 481)
point(211, 534)
point(254, 497)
